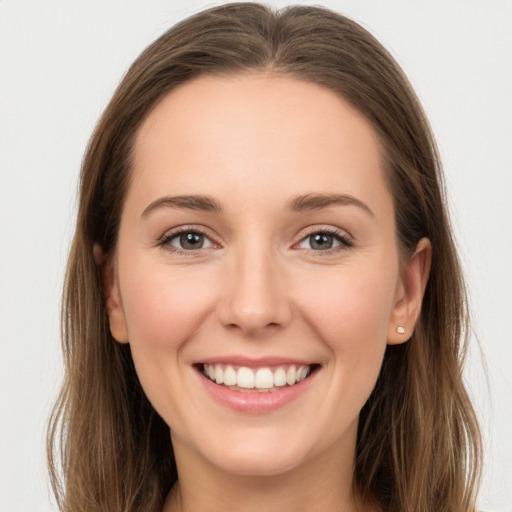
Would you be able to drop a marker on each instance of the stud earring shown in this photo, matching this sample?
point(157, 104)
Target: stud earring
point(400, 330)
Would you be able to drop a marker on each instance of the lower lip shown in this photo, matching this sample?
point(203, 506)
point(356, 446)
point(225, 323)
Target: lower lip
point(256, 402)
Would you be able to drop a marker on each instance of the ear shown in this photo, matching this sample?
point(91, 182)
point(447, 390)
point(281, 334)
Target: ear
point(409, 293)
point(115, 311)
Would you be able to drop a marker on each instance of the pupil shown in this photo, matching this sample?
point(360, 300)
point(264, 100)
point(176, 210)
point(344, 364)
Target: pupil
point(321, 241)
point(191, 241)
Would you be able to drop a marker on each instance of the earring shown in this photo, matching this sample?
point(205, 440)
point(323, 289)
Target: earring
point(400, 330)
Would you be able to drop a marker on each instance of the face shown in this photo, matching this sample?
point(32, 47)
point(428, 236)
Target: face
point(257, 246)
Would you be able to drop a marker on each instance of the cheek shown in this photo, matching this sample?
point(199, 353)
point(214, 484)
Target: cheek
point(163, 311)
point(352, 316)
point(351, 307)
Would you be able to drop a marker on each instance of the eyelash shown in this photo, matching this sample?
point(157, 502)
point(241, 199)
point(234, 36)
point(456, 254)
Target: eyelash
point(345, 241)
point(165, 240)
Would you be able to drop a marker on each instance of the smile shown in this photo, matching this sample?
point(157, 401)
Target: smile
point(263, 379)
point(256, 387)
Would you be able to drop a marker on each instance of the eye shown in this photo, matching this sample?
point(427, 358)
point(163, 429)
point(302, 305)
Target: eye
point(187, 241)
point(324, 241)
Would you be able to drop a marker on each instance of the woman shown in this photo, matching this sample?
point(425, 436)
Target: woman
point(263, 266)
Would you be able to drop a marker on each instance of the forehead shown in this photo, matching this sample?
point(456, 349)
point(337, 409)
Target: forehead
point(227, 133)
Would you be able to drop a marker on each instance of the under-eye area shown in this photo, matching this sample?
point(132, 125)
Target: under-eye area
point(262, 379)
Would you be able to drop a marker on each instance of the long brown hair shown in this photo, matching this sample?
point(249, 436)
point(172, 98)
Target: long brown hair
point(418, 445)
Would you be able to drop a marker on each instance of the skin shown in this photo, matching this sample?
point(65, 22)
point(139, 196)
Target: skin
point(258, 288)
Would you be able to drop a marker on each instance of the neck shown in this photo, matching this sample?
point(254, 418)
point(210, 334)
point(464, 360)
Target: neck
point(322, 484)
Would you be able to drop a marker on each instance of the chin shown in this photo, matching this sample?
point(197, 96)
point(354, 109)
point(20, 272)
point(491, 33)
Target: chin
point(252, 464)
point(257, 456)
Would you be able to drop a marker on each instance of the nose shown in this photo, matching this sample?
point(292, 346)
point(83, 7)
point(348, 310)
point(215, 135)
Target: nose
point(255, 299)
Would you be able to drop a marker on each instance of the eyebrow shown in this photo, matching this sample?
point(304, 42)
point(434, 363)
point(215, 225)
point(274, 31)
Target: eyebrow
point(310, 202)
point(306, 202)
point(189, 202)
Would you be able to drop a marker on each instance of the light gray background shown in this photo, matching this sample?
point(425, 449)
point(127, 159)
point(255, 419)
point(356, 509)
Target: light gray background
point(60, 62)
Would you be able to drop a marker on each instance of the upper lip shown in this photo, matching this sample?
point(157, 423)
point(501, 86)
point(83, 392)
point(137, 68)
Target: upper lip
point(255, 362)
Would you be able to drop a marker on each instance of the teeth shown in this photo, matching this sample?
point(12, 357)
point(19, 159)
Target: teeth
point(244, 377)
point(280, 377)
point(290, 376)
point(262, 379)
point(219, 375)
point(230, 376)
